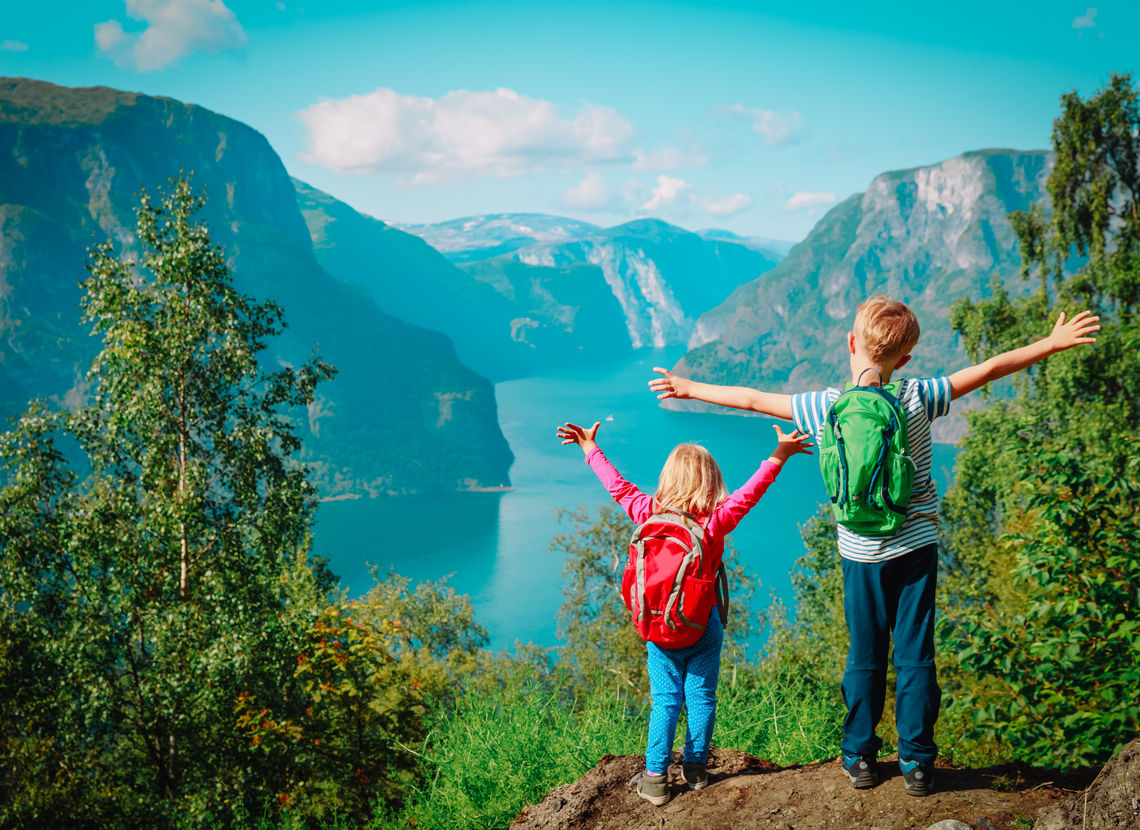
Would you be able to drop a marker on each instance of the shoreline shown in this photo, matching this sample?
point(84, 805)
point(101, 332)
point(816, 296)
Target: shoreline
point(501, 488)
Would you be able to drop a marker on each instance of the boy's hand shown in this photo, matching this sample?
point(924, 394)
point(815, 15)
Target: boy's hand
point(574, 434)
point(788, 445)
point(1074, 332)
point(1065, 335)
point(670, 385)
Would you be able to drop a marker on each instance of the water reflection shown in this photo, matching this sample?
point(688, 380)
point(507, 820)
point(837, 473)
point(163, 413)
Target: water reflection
point(420, 537)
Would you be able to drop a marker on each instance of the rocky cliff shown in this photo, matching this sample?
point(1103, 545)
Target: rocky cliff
point(646, 281)
point(925, 236)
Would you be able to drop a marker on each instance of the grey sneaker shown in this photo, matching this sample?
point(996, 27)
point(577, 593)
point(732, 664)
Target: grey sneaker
point(863, 772)
point(696, 775)
point(653, 788)
point(919, 778)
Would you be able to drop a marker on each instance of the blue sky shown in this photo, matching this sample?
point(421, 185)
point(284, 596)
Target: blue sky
point(754, 117)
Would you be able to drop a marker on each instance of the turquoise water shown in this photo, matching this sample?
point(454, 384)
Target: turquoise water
point(495, 546)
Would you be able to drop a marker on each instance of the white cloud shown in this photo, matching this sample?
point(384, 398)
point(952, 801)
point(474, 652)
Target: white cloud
point(668, 159)
point(634, 191)
point(175, 29)
point(1086, 20)
point(461, 135)
point(802, 200)
point(775, 127)
point(724, 207)
point(109, 35)
point(589, 194)
point(13, 46)
point(666, 192)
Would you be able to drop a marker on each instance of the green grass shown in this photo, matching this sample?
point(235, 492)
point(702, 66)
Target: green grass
point(496, 751)
point(494, 754)
point(787, 720)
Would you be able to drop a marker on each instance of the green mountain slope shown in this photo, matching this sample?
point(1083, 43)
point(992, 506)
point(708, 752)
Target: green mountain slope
point(403, 415)
point(504, 322)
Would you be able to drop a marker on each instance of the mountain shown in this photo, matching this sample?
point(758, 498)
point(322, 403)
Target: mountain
point(661, 276)
point(926, 236)
point(506, 321)
point(474, 238)
point(403, 415)
point(777, 247)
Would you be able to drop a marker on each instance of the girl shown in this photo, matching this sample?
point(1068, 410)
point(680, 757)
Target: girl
point(690, 481)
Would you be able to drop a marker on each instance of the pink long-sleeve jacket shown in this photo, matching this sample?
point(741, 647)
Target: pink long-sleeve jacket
point(725, 517)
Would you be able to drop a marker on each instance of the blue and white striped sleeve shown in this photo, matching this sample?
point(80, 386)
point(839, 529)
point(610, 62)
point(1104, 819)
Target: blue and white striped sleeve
point(935, 394)
point(809, 409)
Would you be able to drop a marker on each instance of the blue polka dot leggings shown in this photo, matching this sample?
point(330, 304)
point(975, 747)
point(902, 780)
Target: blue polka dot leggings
point(683, 675)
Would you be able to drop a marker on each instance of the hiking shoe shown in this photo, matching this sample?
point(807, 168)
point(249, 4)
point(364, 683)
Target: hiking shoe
point(919, 778)
point(696, 775)
point(653, 788)
point(863, 772)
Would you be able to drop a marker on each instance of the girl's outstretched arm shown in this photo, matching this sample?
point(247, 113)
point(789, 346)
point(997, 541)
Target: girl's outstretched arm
point(789, 444)
point(584, 438)
point(729, 512)
point(637, 505)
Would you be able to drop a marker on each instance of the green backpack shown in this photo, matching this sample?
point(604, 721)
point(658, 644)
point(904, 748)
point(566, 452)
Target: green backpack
point(865, 459)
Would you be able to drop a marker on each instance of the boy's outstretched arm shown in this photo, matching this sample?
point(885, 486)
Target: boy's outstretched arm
point(1065, 335)
point(670, 385)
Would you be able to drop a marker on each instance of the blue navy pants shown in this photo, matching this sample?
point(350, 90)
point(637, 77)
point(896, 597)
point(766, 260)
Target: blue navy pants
point(880, 598)
point(683, 675)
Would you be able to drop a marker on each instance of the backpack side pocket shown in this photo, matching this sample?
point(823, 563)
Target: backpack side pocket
point(829, 466)
point(695, 603)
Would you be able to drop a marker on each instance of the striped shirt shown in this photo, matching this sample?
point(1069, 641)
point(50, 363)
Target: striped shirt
point(923, 400)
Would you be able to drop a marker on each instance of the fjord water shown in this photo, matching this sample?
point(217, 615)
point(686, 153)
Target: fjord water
point(495, 546)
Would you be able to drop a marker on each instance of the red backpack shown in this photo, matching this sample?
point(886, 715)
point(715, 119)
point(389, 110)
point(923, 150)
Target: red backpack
point(669, 586)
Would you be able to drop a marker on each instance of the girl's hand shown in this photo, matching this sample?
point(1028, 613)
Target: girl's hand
point(669, 385)
point(1074, 332)
point(789, 445)
point(574, 434)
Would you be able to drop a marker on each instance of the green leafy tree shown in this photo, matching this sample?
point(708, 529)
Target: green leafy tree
point(171, 573)
point(1041, 595)
point(593, 622)
point(368, 677)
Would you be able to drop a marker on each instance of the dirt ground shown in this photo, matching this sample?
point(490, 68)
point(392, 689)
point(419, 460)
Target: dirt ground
point(747, 792)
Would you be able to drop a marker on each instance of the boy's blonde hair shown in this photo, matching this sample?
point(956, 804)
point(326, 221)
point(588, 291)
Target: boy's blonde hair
point(886, 328)
point(691, 480)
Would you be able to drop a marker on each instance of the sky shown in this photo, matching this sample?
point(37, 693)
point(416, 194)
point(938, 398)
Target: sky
point(752, 117)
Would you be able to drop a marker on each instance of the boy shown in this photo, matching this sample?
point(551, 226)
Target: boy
point(888, 582)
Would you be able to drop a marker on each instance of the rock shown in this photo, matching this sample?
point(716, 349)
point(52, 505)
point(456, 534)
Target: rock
point(748, 793)
point(1110, 802)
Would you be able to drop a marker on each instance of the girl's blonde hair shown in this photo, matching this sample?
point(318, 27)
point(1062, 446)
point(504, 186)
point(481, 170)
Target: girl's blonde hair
point(691, 480)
